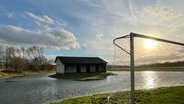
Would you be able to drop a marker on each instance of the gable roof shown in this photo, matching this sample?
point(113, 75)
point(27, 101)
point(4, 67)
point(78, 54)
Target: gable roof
point(80, 60)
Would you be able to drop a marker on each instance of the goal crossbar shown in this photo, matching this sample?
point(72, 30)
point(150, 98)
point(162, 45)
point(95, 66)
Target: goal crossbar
point(157, 39)
point(114, 42)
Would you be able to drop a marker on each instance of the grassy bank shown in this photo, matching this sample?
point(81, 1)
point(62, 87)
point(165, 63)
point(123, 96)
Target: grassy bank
point(14, 74)
point(82, 76)
point(178, 68)
point(166, 95)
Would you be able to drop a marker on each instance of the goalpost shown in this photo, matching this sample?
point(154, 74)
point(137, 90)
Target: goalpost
point(147, 60)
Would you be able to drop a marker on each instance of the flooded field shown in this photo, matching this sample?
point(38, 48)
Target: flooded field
point(40, 89)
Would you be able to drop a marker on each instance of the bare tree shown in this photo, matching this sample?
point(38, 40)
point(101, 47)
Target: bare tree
point(1, 55)
point(13, 59)
point(23, 52)
point(36, 58)
point(20, 59)
point(9, 54)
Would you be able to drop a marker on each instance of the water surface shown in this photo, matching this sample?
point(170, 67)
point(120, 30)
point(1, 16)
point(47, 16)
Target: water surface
point(40, 89)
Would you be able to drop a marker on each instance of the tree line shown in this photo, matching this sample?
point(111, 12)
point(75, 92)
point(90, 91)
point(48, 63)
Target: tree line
point(165, 64)
point(20, 59)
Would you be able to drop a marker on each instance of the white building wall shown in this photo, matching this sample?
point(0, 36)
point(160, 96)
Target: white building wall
point(59, 67)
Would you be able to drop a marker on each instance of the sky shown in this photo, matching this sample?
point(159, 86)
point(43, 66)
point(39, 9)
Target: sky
point(86, 27)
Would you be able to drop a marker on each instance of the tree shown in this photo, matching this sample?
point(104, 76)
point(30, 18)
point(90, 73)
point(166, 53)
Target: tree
point(20, 59)
point(1, 55)
point(9, 54)
point(14, 60)
point(36, 58)
point(23, 52)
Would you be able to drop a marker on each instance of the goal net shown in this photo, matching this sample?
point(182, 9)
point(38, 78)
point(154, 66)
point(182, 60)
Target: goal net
point(136, 52)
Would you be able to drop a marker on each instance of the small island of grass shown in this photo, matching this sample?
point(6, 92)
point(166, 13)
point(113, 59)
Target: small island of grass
point(82, 76)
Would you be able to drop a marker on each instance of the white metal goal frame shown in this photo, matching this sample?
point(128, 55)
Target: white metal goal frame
point(131, 36)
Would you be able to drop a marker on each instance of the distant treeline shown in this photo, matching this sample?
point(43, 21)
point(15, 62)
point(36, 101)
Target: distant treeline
point(166, 64)
point(20, 59)
point(117, 66)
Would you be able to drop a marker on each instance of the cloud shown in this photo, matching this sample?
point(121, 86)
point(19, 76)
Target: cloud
point(161, 12)
point(43, 19)
point(156, 15)
point(159, 58)
point(101, 47)
point(10, 15)
point(162, 21)
point(47, 37)
point(99, 36)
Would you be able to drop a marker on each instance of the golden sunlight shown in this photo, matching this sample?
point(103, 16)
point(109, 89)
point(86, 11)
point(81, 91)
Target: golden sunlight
point(149, 44)
point(150, 79)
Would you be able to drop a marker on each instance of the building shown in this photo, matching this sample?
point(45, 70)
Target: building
point(79, 64)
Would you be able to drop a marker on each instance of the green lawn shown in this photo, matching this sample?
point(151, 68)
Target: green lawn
point(175, 68)
point(165, 95)
point(82, 76)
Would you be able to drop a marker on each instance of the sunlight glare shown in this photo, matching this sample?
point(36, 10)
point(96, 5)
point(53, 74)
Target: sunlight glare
point(150, 79)
point(149, 44)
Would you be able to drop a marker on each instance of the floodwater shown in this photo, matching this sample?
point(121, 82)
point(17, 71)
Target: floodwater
point(40, 89)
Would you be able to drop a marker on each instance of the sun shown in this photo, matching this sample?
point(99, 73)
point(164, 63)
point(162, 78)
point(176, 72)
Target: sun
point(149, 44)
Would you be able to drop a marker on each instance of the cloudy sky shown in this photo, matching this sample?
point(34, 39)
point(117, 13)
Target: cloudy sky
point(86, 27)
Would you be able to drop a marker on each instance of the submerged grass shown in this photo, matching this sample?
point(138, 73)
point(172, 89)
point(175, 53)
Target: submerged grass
point(82, 76)
point(165, 95)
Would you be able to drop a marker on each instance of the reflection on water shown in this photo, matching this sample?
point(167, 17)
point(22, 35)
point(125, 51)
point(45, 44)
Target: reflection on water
point(149, 78)
point(154, 79)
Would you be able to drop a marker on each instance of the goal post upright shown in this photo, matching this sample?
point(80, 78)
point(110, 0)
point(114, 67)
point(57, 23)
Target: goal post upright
point(131, 53)
point(132, 74)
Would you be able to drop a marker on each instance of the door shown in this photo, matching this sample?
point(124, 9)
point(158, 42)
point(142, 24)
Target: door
point(88, 68)
point(78, 69)
point(96, 67)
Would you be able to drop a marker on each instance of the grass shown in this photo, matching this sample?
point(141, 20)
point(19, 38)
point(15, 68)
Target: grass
point(82, 76)
point(14, 74)
point(165, 95)
point(174, 68)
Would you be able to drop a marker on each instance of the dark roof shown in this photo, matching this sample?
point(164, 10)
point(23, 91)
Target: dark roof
point(80, 60)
